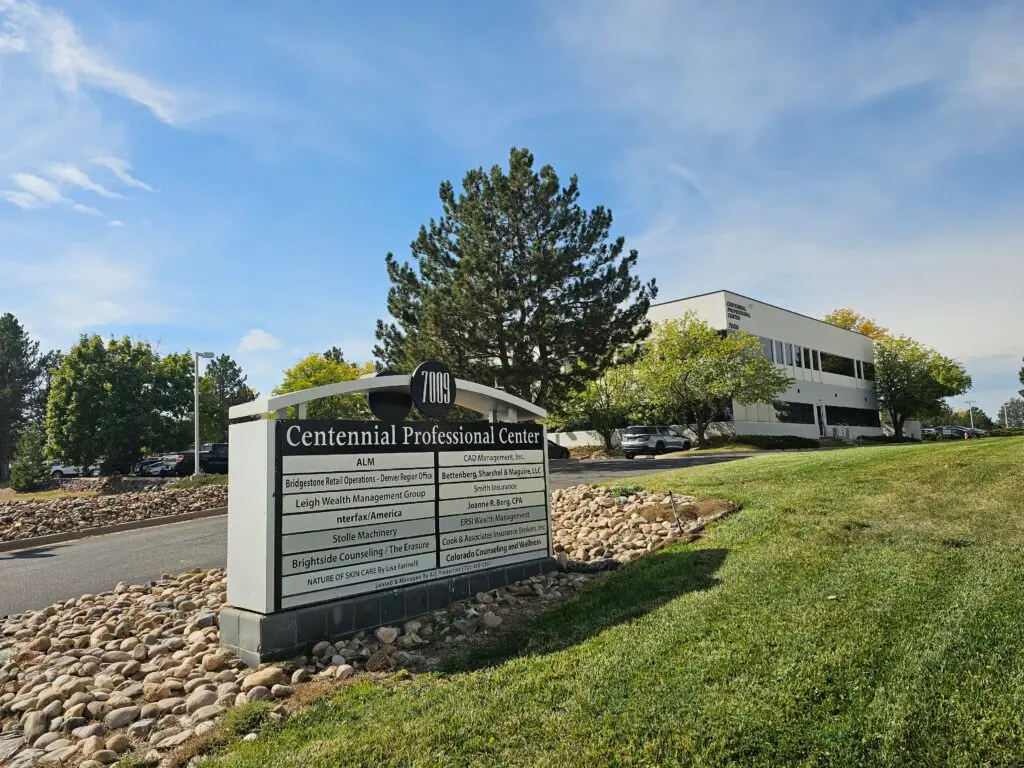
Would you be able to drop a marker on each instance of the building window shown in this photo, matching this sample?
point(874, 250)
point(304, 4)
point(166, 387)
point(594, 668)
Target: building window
point(778, 353)
point(766, 345)
point(789, 354)
point(817, 361)
point(837, 364)
point(852, 417)
point(859, 374)
point(799, 358)
point(869, 371)
point(794, 413)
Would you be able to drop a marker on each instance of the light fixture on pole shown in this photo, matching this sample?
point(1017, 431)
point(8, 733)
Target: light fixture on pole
point(195, 456)
point(970, 410)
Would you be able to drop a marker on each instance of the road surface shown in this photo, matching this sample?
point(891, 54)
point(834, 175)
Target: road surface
point(33, 578)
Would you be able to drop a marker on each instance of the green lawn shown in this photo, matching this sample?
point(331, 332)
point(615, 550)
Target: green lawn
point(865, 608)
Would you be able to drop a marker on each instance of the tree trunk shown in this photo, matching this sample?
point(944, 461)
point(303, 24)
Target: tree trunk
point(701, 427)
point(4, 457)
point(606, 435)
point(897, 425)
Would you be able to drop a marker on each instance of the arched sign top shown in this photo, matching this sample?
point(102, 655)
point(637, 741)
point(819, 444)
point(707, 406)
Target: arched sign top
point(497, 404)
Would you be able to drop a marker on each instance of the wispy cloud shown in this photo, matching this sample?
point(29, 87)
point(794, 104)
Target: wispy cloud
point(72, 175)
point(74, 64)
point(87, 210)
point(25, 200)
point(115, 223)
point(121, 168)
point(37, 186)
point(258, 340)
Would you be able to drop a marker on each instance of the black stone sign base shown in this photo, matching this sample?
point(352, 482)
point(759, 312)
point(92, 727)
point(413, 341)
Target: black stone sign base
point(258, 638)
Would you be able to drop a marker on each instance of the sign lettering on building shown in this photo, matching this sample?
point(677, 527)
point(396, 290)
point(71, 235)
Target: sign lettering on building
point(735, 312)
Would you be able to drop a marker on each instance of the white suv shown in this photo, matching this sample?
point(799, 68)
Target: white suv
point(652, 441)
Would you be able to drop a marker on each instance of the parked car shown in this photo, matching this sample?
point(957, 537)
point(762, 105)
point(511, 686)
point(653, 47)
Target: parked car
point(213, 460)
point(152, 466)
point(928, 432)
point(652, 440)
point(556, 451)
point(58, 471)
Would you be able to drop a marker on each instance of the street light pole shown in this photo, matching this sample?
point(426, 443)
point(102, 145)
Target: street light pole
point(970, 410)
point(195, 455)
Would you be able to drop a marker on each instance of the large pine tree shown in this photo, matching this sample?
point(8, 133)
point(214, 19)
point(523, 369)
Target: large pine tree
point(516, 285)
point(19, 370)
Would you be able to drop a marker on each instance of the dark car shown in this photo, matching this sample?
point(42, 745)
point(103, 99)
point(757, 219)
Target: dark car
point(213, 460)
point(556, 451)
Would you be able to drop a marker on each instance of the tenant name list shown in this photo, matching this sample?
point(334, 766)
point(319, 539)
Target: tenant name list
point(365, 506)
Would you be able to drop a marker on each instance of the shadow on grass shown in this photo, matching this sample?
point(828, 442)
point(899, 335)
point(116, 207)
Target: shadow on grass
point(618, 598)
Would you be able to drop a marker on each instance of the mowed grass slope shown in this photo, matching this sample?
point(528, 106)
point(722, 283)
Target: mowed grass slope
point(865, 608)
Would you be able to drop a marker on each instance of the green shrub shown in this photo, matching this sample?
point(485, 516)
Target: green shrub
point(1008, 432)
point(28, 470)
point(246, 718)
point(775, 442)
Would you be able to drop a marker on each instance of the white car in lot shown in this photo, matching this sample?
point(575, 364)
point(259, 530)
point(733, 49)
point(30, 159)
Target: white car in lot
point(58, 471)
point(652, 440)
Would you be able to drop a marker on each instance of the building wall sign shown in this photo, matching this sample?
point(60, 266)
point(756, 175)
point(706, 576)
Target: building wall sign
point(367, 506)
point(734, 314)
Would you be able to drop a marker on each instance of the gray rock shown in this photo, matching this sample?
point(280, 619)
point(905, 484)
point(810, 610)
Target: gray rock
point(174, 741)
point(464, 626)
point(281, 691)
point(59, 756)
point(140, 729)
point(34, 725)
point(387, 635)
point(46, 740)
point(25, 759)
point(199, 699)
point(72, 724)
point(300, 676)
point(120, 718)
point(206, 619)
point(207, 713)
point(259, 693)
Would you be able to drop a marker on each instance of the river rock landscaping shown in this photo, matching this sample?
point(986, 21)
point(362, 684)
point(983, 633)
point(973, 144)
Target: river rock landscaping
point(139, 669)
point(24, 519)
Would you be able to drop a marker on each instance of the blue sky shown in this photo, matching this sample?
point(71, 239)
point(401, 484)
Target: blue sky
point(230, 175)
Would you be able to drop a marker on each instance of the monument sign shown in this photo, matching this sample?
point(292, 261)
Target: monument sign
point(336, 526)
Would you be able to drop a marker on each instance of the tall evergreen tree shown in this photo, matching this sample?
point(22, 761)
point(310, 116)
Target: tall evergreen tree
point(227, 387)
point(516, 285)
point(19, 369)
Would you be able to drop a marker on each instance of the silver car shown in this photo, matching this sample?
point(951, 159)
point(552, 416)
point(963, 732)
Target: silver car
point(652, 440)
point(64, 470)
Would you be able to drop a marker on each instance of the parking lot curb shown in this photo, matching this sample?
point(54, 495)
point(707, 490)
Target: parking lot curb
point(100, 530)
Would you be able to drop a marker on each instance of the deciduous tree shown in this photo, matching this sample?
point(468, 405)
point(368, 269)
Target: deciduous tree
point(687, 368)
point(317, 370)
point(911, 379)
point(854, 321)
point(117, 400)
point(602, 405)
point(516, 285)
point(19, 369)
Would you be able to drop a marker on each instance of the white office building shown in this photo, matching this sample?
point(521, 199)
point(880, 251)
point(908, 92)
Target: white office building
point(833, 371)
